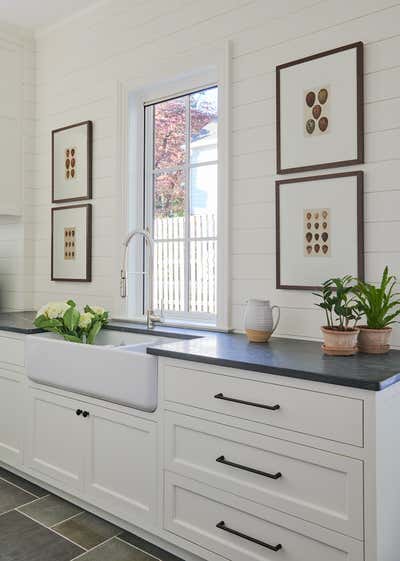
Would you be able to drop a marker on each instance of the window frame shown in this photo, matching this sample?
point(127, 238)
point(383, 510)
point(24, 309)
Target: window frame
point(213, 67)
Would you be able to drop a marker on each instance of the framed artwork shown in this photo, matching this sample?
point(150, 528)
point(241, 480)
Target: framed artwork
point(71, 243)
point(319, 229)
point(320, 110)
point(72, 163)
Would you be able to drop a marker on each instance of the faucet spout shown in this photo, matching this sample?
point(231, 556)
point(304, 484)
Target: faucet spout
point(151, 317)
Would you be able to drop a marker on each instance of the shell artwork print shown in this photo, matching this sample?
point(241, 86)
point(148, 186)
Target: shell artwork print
point(316, 111)
point(70, 163)
point(69, 243)
point(316, 239)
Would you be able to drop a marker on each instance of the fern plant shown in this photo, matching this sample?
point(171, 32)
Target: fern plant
point(379, 304)
point(339, 303)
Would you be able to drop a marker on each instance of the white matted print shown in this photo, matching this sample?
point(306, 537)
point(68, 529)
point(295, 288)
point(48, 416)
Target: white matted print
point(71, 243)
point(313, 212)
point(320, 110)
point(72, 163)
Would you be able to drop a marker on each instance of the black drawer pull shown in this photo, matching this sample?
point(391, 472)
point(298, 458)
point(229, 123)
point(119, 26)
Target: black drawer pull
point(222, 460)
point(270, 407)
point(221, 526)
point(86, 414)
point(79, 412)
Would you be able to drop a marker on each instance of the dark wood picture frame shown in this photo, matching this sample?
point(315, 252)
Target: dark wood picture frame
point(360, 223)
point(89, 133)
point(359, 46)
point(88, 277)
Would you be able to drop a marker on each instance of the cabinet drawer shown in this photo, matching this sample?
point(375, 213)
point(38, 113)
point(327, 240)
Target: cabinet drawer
point(12, 351)
point(318, 486)
point(243, 531)
point(314, 413)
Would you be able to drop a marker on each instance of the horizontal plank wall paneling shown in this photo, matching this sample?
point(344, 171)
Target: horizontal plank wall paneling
point(121, 40)
point(17, 94)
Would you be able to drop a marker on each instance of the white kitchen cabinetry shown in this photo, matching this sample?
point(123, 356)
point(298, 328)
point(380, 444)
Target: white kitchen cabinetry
point(56, 439)
point(121, 473)
point(240, 530)
point(99, 454)
point(12, 395)
point(255, 460)
point(231, 465)
point(11, 415)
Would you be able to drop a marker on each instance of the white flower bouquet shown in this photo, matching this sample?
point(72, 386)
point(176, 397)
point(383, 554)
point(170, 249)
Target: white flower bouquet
point(65, 319)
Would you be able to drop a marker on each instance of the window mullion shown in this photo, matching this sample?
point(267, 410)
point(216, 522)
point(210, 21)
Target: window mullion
point(187, 206)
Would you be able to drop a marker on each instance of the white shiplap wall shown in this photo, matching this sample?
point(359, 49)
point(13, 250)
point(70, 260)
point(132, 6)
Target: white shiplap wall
point(80, 62)
point(16, 233)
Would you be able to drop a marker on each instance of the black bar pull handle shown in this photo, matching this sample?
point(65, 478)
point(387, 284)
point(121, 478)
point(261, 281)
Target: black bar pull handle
point(234, 400)
point(221, 525)
point(222, 460)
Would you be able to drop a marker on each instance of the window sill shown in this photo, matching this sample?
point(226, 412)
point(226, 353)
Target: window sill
point(199, 326)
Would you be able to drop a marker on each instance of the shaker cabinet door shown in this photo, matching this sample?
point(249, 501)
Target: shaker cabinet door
point(121, 475)
point(11, 407)
point(56, 439)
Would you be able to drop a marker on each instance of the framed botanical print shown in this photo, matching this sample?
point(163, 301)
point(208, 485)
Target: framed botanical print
point(320, 110)
point(72, 163)
point(319, 229)
point(71, 243)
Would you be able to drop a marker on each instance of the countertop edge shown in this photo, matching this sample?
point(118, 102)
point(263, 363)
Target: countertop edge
point(270, 369)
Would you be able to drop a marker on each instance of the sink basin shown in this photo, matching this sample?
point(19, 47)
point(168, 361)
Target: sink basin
point(116, 369)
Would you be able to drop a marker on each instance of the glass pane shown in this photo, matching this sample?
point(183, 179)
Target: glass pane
point(169, 133)
point(203, 267)
point(204, 126)
point(169, 275)
point(169, 205)
point(203, 201)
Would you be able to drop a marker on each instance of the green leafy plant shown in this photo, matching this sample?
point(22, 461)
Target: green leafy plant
point(379, 304)
point(339, 303)
point(66, 320)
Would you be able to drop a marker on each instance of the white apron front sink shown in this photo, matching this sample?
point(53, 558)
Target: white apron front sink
point(106, 370)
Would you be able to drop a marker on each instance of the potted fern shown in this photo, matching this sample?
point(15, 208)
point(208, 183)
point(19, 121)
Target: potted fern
point(380, 306)
point(341, 311)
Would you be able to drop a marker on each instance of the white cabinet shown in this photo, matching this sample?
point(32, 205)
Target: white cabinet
point(240, 530)
point(57, 438)
point(100, 454)
point(11, 415)
point(314, 485)
point(308, 412)
point(121, 470)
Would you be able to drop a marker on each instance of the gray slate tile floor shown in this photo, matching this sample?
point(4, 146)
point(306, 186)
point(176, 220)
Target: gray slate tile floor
point(38, 526)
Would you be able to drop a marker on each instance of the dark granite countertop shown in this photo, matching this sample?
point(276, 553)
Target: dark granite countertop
point(285, 357)
point(18, 322)
point(292, 358)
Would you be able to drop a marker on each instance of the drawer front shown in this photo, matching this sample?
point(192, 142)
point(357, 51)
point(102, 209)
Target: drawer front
point(314, 485)
point(318, 414)
point(239, 531)
point(12, 351)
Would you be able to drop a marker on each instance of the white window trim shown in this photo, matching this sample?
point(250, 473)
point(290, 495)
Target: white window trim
point(215, 71)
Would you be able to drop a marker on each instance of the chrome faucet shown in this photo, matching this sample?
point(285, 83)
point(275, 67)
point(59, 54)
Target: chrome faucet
point(151, 317)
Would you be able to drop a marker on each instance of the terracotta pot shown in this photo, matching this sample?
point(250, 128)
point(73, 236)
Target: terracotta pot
point(374, 341)
point(340, 343)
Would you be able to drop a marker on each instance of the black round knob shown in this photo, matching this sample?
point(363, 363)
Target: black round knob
point(79, 412)
point(86, 414)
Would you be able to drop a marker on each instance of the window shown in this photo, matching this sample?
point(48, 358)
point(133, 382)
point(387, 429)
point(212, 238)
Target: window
point(180, 202)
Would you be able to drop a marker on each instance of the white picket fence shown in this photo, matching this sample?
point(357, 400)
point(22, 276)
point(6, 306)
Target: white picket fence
point(182, 286)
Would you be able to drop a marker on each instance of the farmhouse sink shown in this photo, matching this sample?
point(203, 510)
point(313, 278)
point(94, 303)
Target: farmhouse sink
point(116, 369)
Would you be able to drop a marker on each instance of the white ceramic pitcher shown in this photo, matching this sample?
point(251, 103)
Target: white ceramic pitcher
point(258, 320)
